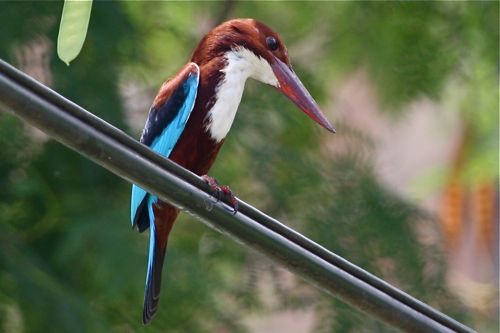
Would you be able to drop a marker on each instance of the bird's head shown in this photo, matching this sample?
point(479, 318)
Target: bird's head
point(259, 53)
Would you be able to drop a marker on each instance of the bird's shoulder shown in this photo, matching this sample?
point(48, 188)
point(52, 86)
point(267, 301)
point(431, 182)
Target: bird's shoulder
point(176, 97)
point(191, 69)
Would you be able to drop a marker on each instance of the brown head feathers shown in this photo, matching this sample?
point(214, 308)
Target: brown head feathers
point(247, 33)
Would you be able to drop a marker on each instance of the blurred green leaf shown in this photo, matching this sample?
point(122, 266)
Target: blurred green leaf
point(73, 29)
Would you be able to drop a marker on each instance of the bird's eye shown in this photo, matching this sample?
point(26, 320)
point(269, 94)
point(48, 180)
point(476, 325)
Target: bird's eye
point(272, 43)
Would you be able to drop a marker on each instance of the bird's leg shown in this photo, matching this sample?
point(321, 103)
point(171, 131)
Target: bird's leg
point(232, 199)
point(219, 191)
point(214, 186)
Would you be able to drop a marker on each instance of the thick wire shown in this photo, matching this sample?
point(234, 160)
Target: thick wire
point(24, 85)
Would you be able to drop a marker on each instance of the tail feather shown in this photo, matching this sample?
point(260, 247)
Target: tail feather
point(153, 280)
point(162, 219)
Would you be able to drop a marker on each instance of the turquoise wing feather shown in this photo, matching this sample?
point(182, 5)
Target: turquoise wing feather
point(163, 129)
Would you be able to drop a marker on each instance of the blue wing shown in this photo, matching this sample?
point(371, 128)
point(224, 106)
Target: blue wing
point(166, 121)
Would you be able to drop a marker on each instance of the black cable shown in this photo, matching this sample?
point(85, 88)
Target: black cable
point(118, 152)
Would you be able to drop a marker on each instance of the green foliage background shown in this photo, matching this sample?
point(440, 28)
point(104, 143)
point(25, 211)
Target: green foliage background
point(68, 259)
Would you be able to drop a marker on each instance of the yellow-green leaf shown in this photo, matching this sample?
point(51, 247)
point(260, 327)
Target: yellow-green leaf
point(73, 29)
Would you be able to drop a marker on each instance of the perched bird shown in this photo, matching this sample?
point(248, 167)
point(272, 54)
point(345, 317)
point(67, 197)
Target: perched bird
point(193, 112)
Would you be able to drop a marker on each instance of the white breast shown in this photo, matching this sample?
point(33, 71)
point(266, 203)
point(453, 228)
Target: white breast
point(241, 64)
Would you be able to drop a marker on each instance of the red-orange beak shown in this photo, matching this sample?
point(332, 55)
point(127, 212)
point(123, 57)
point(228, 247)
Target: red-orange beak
point(290, 85)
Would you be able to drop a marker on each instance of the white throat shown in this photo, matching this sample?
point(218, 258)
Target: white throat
point(241, 64)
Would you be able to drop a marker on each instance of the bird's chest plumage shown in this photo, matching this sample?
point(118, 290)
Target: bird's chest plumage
point(196, 149)
point(238, 66)
point(221, 87)
point(227, 97)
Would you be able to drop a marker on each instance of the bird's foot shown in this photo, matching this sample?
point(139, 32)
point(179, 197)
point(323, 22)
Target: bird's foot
point(220, 192)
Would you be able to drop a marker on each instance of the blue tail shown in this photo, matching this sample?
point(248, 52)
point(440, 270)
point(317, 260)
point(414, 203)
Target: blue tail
point(155, 265)
point(161, 217)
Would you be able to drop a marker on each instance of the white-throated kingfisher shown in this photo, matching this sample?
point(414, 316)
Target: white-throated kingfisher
point(193, 112)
